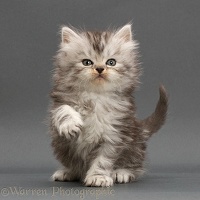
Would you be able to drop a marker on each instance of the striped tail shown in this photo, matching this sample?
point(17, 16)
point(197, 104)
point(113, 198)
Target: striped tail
point(155, 121)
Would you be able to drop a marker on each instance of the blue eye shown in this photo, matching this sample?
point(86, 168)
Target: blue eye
point(87, 62)
point(111, 62)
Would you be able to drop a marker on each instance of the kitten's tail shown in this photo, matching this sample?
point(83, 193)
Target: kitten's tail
point(154, 122)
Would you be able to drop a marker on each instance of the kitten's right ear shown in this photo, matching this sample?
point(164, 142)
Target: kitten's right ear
point(67, 35)
point(124, 33)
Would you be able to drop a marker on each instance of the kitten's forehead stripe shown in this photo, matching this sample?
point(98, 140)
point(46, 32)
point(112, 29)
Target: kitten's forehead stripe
point(97, 40)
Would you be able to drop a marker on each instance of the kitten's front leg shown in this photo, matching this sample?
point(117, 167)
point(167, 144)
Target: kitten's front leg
point(99, 173)
point(66, 120)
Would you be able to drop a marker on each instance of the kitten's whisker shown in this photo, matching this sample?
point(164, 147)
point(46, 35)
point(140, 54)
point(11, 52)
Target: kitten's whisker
point(117, 83)
point(85, 84)
point(120, 88)
point(79, 85)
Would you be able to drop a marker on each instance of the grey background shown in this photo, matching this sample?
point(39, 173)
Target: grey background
point(169, 36)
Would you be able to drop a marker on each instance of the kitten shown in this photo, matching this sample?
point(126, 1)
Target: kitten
point(95, 134)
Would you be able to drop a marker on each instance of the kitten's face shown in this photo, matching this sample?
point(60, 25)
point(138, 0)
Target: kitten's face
point(98, 61)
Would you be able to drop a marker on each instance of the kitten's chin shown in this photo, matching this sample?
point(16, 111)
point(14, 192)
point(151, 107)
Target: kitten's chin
point(98, 84)
point(99, 80)
point(102, 85)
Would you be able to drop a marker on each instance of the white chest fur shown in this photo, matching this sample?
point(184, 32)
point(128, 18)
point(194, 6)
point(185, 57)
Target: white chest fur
point(106, 110)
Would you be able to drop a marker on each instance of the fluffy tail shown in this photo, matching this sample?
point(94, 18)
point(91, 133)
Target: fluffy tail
point(154, 122)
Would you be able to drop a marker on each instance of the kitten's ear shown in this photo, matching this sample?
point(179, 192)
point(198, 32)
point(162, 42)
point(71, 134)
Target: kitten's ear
point(124, 33)
point(67, 35)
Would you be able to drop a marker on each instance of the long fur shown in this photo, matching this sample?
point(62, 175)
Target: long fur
point(95, 134)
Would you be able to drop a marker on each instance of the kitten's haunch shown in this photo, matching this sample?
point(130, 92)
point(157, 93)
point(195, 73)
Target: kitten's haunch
point(95, 134)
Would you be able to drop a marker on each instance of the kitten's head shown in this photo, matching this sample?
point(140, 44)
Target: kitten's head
point(97, 61)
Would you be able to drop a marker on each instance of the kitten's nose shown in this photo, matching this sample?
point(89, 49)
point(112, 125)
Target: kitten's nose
point(100, 69)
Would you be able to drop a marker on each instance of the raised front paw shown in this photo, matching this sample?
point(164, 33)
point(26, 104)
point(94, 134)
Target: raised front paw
point(98, 181)
point(67, 121)
point(70, 127)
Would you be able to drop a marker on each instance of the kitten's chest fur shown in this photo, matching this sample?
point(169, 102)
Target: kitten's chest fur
point(101, 113)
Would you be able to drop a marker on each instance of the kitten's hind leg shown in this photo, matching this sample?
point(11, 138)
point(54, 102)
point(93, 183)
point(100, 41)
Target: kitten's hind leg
point(61, 175)
point(126, 175)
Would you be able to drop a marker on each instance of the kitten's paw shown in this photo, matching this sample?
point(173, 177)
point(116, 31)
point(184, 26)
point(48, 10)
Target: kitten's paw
point(123, 176)
point(67, 121)
point(98, 181)
point(60, 175)
point(70, 127)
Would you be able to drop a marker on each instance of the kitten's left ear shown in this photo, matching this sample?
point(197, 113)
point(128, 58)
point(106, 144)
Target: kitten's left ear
point(124, 33)
point(68, 35)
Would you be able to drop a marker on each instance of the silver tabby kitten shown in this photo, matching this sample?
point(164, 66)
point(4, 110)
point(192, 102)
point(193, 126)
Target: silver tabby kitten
point(95, 134)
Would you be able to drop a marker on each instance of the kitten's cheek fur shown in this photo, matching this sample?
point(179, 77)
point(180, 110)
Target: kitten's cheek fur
point(67, 121)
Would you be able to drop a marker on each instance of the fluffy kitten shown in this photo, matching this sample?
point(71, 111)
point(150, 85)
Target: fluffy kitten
point(95, 134)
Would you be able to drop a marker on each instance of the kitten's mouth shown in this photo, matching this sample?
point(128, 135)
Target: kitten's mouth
point(100, 78)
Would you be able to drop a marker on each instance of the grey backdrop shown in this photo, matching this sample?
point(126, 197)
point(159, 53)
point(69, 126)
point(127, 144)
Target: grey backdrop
point(169, 36)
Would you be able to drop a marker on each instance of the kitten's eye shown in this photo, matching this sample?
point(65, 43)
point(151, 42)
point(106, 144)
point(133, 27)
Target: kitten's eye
point(87, 62)
point(111, 62)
